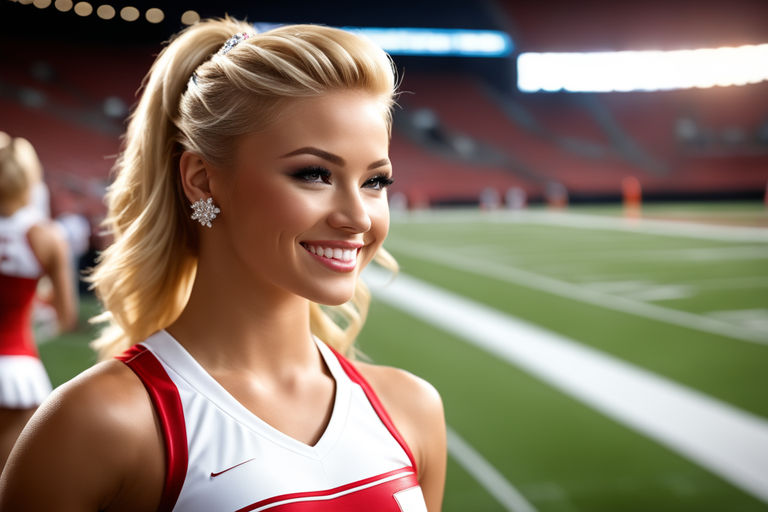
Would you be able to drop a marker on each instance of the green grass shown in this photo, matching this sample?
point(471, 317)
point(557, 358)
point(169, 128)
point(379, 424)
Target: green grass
point(69, 354)
point(560, 454)
point(539, 438)
point(730, 369)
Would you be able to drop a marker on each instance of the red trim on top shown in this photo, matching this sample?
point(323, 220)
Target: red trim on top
point(167, 403)
point(378, 495)
point(17, 297)
point(355, 376)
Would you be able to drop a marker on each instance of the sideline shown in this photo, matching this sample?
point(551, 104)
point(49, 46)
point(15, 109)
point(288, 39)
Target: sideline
point(487, 475)
point(730, 442)
point(674, 228)
point(579, 292)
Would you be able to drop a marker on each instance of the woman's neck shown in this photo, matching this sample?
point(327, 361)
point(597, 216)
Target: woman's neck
point(233, 324)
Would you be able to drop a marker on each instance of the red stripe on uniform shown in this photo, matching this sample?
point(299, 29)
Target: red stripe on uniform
point(165, 398)
point(17, 296)
point(356, 377)
point(375, 494)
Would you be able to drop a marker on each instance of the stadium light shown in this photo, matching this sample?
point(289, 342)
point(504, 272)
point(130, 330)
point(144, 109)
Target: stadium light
point(642, 70)
point(432, 41)
point(439, 42)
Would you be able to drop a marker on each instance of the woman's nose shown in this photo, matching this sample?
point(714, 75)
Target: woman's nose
point(350, 212)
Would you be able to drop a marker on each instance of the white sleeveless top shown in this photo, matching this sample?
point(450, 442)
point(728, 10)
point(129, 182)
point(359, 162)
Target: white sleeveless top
point(16, 256)
point(222, 457)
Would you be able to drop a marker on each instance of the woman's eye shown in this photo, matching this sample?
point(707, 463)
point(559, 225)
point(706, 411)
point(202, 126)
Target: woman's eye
point(379, 182)
point(313, 175)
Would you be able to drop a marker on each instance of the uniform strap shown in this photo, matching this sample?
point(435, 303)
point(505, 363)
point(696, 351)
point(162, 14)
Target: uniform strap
point(356, 377)
point(167, 403)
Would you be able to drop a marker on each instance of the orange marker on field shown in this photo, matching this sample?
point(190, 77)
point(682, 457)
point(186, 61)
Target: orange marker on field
point(632, 196)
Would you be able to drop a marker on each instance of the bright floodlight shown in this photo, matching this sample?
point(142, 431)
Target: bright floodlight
point(431, 41)
point(642, 70)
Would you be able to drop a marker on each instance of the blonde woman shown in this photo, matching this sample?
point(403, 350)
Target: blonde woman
point(30, 248)
point(249, 196)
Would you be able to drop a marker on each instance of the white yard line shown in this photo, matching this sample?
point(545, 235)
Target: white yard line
point(580, 292)
point(728, 282)
point(733, 253)
point(757, 251)
point(728, 441)
point(698, 254)
point(486, 475)
point(586, 221)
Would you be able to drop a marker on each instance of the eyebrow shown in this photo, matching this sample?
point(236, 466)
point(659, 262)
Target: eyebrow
point(330, 157)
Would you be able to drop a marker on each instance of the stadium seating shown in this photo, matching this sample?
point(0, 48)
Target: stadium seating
point(590, 143)
point(681, 143)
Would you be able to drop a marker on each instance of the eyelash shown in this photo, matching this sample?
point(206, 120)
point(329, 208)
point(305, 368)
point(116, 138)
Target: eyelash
point(313, 174)
point(308, 173)
point(380, 182)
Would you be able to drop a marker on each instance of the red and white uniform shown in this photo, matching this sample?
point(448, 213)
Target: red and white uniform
point(23, 381)
point(222, 457)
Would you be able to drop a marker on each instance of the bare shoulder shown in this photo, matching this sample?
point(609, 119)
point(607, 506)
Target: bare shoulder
point(83, 442)
point(47, 241)
point(100, 404)
point(104, 397)
point(46, 232)
point(401, 389)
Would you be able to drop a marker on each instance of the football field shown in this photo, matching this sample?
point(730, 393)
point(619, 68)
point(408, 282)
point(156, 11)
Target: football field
point(587, 361)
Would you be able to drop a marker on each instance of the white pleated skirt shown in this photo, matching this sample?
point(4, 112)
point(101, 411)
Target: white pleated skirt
point(24, 382)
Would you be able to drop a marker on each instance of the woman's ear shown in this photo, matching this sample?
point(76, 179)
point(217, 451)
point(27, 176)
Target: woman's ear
point(194, 176)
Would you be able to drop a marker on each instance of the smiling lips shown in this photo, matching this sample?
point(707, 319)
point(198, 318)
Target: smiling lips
point(338, 256)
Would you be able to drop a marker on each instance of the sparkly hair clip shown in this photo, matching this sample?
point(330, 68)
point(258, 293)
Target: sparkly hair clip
point(232, 42)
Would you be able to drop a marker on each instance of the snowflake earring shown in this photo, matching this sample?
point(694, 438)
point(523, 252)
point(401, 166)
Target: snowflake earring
point(205, 211)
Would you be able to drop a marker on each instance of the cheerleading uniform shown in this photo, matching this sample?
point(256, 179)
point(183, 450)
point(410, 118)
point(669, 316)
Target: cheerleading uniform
point(23, 380)
point(222, 457)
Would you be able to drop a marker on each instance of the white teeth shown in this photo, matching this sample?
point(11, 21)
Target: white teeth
point(334, 253)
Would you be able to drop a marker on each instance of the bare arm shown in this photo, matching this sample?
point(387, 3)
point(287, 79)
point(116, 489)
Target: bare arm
point(417, 411)
point(51, 249)
point(92, 446)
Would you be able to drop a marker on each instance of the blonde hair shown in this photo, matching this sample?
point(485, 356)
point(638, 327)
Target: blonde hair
point(20, 168)
point(198, 100)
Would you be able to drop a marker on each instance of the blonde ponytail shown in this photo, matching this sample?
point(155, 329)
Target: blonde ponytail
point(143, 279)
point(198, 101)
point(19, 169)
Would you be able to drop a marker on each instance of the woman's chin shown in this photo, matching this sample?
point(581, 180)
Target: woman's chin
point(334, 297)
point(334, 301)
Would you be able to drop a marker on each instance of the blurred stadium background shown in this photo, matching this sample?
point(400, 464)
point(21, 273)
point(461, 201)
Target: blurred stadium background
point(589, 269)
